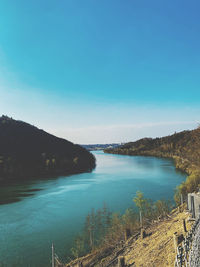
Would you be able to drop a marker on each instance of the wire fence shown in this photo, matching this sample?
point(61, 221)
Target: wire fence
point(194, 256)
point(188, 252)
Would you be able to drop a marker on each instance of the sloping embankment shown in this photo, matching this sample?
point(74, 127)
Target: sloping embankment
point(155, 250)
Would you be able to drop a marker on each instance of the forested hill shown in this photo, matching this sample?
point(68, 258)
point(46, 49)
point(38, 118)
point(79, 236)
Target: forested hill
point(183, 147)
point(28, 152)
point(185, 144)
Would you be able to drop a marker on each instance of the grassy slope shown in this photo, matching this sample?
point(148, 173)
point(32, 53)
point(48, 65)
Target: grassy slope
point(158, 248)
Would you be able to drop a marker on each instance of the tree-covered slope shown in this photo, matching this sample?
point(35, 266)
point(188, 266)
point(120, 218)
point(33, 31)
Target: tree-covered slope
point(185, 144)
point(26, 152)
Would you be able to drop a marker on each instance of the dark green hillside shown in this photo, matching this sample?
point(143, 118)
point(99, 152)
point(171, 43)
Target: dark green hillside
point(183, 147)
point(26, 152)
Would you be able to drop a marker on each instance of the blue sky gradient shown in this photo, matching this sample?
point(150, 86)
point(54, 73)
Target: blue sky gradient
point(101, 71)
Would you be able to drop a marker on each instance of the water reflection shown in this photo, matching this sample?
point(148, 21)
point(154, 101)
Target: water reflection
point(14, 193)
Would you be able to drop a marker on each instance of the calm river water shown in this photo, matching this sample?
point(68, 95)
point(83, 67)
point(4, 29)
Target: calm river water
point(35, 214)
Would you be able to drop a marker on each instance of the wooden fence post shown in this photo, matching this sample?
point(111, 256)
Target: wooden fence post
point(192, 207)
point(175, 241)
point(127, 233)
point(121, 261)
point(184, 226)
point(142, 233)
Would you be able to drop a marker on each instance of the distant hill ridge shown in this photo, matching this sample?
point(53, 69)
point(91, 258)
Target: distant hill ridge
point(26, 151)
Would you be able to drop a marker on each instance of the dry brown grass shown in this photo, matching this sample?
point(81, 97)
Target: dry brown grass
point(157, 250)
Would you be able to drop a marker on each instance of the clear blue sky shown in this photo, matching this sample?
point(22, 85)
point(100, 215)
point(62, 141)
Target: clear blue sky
point(97, 71)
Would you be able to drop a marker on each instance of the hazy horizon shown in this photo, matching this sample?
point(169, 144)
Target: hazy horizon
point(101, 71)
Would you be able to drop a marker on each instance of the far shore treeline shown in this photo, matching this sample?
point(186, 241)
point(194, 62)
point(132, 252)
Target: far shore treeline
point(27, 152)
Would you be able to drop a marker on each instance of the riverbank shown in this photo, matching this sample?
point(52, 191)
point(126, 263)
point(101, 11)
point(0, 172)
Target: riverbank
point(183, 148)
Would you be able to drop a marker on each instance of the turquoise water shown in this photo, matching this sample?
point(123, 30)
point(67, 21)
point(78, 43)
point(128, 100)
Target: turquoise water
point(46, 211)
